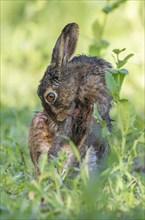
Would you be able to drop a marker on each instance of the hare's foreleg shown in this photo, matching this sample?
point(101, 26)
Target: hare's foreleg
point(40, 138)
point(60, 139)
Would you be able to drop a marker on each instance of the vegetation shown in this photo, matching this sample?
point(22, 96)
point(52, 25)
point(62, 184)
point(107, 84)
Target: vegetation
point(29, 31)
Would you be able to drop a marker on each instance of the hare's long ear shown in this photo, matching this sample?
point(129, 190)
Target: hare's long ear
point(65, 45)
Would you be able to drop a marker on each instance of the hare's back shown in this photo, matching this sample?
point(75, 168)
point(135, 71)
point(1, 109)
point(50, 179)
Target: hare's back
point(88, 65)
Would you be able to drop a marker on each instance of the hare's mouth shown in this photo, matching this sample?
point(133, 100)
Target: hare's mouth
point(75, 112)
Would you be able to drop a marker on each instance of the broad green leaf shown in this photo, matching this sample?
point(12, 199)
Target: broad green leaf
point(126, 116)
point(111, 84)
point(119, 77)
point(114, 71)
point(123, 71)
point(120, 80)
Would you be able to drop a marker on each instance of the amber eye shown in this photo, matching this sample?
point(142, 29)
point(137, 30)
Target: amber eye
point(50, 97)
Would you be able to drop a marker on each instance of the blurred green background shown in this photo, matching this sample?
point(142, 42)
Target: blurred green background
point(29, 32)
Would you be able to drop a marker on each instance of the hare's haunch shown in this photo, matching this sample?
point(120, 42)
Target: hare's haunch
point(68, 91)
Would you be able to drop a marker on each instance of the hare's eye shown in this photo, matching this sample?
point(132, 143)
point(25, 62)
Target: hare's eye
point(50, 97)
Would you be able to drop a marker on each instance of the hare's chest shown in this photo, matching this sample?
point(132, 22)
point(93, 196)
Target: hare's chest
point(53, 128)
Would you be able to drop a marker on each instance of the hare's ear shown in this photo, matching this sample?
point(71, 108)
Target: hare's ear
point(65, 45)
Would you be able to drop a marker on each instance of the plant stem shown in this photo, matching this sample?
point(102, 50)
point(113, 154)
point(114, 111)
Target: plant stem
point(123, 142)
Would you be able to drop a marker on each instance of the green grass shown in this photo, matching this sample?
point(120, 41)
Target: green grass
point(116, 192)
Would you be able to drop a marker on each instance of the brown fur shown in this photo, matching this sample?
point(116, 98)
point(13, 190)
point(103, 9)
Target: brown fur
point(78, 83)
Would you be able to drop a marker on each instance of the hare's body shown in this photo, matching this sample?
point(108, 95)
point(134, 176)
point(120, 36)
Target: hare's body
point(68, 91)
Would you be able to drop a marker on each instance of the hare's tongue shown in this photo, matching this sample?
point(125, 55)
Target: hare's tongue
point(76, 112)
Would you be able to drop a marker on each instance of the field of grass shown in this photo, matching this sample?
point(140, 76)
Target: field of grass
point(117, 191)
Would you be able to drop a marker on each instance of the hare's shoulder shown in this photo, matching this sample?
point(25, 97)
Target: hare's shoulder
point(93, 60)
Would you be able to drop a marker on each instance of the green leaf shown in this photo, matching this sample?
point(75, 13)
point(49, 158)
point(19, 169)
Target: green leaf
point(118, 51)
point(124, 61)
point(114, 79)
point(114, 71)
point(128, 56)
point(126, 116)
point(111, 84)
point(119, 77)
point(123, 71)
point(120, 80)
point(97, 30)
point(107, 9)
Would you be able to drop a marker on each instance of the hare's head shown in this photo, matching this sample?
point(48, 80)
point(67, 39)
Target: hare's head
point(56, 91)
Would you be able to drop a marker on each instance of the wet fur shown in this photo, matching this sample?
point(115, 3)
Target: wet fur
point(79, 83)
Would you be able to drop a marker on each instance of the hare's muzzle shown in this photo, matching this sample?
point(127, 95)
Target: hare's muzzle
point(75, 112)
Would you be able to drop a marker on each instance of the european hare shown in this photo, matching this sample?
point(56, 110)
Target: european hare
point(68, 91)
